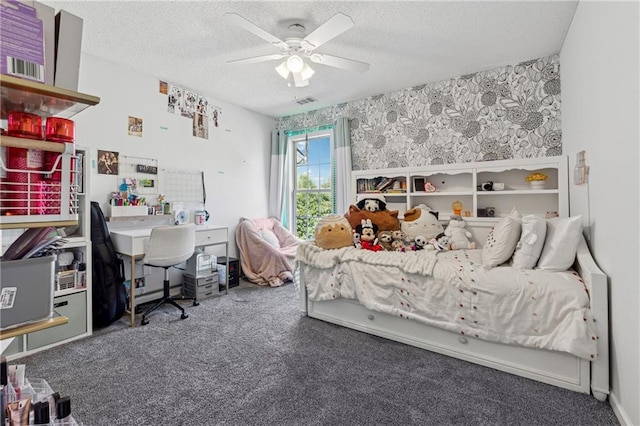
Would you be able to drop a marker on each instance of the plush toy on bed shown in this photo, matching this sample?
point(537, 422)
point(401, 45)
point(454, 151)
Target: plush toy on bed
point(333, 232)
point(400, 242)
point(367, 231)
point(419, 243)
point(421, 220)
point(356, 240)
point(385, 220)
point(439, 243)
point(458, 235)
point(385, 238)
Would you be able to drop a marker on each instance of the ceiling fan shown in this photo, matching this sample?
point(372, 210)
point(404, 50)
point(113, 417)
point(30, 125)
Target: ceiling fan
point(295, 50)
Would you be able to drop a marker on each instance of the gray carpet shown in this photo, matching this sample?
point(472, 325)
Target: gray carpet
point(251, 358)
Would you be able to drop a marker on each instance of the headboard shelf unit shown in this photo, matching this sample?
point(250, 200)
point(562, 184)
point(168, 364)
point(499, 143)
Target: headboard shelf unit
point(463, 182)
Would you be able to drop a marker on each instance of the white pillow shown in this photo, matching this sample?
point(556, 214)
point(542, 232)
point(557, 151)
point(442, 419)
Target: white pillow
point(270, 238)
point(561, 243)
point(502, 240)
point(528, 249)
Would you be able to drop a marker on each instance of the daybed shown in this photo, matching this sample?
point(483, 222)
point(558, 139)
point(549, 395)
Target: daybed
point(543, 325)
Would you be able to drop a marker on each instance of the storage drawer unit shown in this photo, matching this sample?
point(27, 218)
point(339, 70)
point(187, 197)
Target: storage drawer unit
point(72, 306)
point(199, 287)
point(233, 274)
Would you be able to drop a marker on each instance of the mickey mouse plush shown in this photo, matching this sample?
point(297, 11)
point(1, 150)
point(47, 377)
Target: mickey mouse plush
point(367, 231)
point(372, 202)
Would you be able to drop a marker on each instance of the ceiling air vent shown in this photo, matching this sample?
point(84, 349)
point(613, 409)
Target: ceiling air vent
point(305, 100)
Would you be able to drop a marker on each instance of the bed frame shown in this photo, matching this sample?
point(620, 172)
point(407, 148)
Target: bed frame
point(555, 368)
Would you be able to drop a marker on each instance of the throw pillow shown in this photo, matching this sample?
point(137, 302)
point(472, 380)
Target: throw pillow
point(270, 238)
point(528, 249)
point(561, 243)
point(502, 240)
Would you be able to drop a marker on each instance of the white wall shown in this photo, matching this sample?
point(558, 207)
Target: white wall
point(235, 159)
point(600, 115)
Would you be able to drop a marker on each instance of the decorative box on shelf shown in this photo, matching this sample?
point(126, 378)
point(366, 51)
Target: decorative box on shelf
point(123, 211)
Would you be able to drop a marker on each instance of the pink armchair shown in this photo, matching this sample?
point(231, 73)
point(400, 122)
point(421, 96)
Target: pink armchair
point(267, 251)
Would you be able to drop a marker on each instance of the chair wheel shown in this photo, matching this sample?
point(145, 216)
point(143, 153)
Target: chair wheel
point(184, 316)
point(144, 321)
point(196, 303)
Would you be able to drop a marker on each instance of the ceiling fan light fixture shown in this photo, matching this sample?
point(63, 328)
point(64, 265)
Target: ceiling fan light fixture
point(299, 81)
point(306, 72)
point(295, 64)
point(283, 70)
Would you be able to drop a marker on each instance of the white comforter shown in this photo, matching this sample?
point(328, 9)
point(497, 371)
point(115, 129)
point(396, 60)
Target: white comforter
point(453, 291)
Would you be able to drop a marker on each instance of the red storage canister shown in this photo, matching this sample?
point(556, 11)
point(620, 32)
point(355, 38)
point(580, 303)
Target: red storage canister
point(63, 131)
point(23, 189)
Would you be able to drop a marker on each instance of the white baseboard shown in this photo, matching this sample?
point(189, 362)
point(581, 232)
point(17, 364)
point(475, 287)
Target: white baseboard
point(619, 411)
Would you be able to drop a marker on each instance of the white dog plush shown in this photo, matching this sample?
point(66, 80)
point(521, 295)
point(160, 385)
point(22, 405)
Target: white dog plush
point(460, 237)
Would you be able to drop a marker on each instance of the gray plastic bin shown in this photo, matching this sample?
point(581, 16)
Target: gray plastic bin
point(26, 291)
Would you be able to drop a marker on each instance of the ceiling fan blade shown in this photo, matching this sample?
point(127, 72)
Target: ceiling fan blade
point(338, 62)
point(333, 27)
point(253, 28)
point(256, 59)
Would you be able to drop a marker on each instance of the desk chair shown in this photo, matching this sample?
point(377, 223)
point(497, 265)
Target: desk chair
point(169, 246)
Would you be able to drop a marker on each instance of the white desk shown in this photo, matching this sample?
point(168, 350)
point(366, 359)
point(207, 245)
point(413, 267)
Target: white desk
point(133, 242)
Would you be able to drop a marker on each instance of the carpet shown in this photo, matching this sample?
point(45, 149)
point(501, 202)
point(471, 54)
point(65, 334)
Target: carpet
point(252, 358)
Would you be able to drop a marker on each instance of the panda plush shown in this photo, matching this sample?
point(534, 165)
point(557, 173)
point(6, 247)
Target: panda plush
point(372, 202)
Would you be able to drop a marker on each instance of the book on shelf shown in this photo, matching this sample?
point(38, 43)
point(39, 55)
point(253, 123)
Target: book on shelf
point(386, 183)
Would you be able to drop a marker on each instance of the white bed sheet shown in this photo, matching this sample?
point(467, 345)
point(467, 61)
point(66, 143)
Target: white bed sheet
point(453, 291)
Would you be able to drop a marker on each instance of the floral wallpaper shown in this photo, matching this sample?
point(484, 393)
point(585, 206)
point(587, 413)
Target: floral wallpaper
point(502, 113)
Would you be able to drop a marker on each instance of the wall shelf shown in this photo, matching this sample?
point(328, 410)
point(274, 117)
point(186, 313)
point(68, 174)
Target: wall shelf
point(29, 96)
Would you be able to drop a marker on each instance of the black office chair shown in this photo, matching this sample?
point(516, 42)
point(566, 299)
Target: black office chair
point(169, 246)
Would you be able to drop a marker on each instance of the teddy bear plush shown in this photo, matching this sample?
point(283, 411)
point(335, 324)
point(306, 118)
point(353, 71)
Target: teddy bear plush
point(367, 231)
point(421, 220)
point(385, 238)
point(459, 237)
point(333, 232)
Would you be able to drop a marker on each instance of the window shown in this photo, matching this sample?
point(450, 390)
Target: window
point(313, 193)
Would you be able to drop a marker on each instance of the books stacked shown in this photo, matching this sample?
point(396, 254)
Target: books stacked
point(379, 184)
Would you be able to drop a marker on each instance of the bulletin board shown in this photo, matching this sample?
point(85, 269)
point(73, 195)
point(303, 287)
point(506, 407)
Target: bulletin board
point(183, 186)
point(143, 172)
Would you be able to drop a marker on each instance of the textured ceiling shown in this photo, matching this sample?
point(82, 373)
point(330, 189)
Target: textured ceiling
point(407, 43)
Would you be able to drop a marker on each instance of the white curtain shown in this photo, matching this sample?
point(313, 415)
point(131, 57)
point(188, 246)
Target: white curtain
point(342, 165)
point(279, 178)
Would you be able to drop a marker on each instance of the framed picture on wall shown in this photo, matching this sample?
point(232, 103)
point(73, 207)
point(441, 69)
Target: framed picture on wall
point(418, 184)
point(107, 162)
